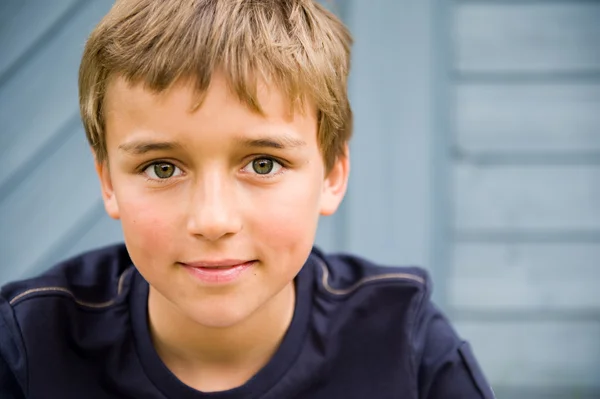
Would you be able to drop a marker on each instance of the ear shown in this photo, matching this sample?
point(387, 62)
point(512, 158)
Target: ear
point(108, 194)
point(336, 182)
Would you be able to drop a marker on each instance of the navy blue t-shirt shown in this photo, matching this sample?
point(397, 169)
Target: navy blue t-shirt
point(359, 331)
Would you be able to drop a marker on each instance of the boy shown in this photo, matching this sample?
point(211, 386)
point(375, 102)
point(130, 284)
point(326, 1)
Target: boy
point(220, 131)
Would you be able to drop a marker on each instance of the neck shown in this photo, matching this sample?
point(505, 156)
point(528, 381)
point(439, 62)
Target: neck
point(226, 356)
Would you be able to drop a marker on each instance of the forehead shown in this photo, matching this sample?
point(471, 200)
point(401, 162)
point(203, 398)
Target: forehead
point(135, 98)
point(133, 112)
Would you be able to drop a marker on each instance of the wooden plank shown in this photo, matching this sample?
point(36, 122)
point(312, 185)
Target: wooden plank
point(46, 205)
point(516, 118)
point(40, 99)
point(546, 393)
point(527, 37)
point(104, 232)
point(393, 133)
point(525, 277)
point(9, 8)
point(539, 198)
point(25, 25)
point(326, 238)
point(533, 354)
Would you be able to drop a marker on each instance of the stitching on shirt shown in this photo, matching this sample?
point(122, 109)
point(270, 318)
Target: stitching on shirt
point(363, 281)
point(98, 305)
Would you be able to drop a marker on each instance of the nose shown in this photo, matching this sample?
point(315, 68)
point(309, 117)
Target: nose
point(213, 212)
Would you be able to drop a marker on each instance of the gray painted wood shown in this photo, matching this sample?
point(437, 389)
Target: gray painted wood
point(327, 234)
point(41, 98)
point(104, 231)
point(546, 393)
point(52, 199)
point(9, 8)
point(525, 277)
point(533, 197)
point(526, 193)
point(38, 17)
point(547, 118)
point(527, 36)
point(537, 354)
point(389, 201)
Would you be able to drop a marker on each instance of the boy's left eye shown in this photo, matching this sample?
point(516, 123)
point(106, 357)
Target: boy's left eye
point(263, 166)
point(162, 171)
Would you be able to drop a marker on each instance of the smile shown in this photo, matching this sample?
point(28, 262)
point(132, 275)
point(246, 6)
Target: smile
point(218, 272)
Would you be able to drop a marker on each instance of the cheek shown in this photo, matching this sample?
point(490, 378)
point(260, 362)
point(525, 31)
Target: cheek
point(289, 214)
point(148, 227)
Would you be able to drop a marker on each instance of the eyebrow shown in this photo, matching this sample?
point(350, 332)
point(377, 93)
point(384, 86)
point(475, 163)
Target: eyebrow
point(276, 142)
point(143, 147)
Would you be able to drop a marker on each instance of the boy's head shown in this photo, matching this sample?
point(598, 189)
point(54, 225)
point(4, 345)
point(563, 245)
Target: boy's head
point(220, 131)
point(295, 45)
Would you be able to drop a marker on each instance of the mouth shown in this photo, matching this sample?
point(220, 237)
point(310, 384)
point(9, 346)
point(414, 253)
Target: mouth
point(220, 271)
point(217, 264)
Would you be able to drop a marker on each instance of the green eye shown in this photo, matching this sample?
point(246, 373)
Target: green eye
point(164, 170)
point(262, 166)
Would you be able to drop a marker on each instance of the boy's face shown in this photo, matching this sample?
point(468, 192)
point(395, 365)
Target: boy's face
point(217, 186)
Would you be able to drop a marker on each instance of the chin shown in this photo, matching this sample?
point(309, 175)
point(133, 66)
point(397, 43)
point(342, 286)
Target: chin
point(219, 316)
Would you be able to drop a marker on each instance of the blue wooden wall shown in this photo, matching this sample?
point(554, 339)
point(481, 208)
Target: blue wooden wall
point(49, 198)
point(524, 84)
point(476, 154)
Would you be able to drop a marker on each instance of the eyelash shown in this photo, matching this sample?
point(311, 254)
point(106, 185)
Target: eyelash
point(283, 164)
point(271, 158)
point(142, 171)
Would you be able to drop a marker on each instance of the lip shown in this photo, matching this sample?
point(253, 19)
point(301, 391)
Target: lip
point(216, 263)
point(219, 271)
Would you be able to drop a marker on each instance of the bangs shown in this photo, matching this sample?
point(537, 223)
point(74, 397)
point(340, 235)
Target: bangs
point(297, 46)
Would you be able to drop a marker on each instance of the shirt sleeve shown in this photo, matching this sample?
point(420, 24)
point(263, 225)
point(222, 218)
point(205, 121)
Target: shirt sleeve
point(447, 368)
point(11, 355)
point(9, 388)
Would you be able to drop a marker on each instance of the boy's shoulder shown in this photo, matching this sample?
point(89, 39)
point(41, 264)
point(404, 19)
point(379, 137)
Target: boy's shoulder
point(352, 268)
point(348, 278)
point(92, 279)
point(78, 303)
point(388, 304)
point(382, 319)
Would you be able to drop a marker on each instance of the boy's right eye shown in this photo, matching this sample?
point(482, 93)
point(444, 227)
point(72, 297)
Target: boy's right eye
point(162, 171)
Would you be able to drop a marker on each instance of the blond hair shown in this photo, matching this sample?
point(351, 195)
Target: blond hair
point(297, 45)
